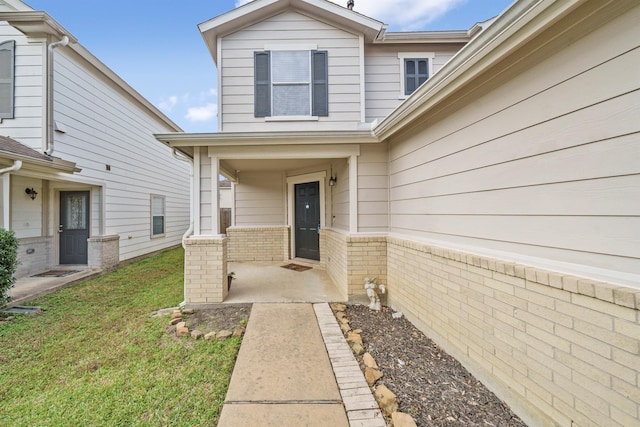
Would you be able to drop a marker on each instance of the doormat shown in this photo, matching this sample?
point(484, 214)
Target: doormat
point(56, 273)
point(296, 267)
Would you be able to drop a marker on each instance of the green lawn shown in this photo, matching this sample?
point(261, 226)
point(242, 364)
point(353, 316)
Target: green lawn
point(96, 357)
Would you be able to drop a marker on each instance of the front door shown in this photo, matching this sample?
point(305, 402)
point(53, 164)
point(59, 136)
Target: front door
point(74, 226)
point(307, 220)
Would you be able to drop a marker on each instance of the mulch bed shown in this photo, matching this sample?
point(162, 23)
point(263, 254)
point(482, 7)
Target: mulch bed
point(431, 386)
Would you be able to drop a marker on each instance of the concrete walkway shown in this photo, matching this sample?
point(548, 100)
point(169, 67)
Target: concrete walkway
point(294, 368)
point(30, 287)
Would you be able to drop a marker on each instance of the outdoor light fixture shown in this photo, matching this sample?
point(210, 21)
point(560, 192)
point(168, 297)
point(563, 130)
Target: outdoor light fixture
point(31, 192)
point(332, 181)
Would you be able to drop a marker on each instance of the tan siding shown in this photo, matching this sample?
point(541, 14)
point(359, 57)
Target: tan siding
point(544, 165)
point(237, 72)
point(340, 196)
point(260, 199)
point(373, 188)
point(382, 75)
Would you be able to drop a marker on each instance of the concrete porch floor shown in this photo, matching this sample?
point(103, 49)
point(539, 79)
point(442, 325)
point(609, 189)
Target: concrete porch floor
point(267, 281)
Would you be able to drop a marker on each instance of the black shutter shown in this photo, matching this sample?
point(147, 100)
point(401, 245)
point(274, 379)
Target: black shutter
point(320, 83)
point(262, 86)
point(7, 76)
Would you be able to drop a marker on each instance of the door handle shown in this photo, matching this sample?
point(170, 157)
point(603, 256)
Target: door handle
point(60, 228)
point(318, 228)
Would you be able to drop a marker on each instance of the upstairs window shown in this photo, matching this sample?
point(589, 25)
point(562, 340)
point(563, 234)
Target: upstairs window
point(291, 83)
point(157, 216)
point(7, 77)
point(415, 69)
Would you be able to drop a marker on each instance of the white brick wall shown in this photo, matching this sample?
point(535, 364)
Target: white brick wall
point(205, 268)
point(258, 243)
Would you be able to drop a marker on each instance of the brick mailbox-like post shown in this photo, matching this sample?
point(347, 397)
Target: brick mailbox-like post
point(205, 270)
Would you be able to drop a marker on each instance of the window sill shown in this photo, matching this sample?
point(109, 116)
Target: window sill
point(291, 119)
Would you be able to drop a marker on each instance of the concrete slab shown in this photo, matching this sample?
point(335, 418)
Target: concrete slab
point(293, 415)
point(28, 288)
point(267, 281)
point(283, 358)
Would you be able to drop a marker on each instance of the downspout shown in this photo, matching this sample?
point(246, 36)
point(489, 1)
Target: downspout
point(6, 200)
point(49, 116)
point(189, 231)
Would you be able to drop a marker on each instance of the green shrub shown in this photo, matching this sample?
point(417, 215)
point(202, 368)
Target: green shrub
point(8, 262)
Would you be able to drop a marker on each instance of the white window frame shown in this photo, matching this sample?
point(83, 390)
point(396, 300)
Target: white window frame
point(291, 47)
point(164, 215)
point(429, 56)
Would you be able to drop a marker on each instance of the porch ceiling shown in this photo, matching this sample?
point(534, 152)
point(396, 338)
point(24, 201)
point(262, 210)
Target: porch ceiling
point(271, 164)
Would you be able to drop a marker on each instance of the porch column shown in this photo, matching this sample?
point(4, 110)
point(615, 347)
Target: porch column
point(215, 195)
point(205, 270)
point(353, 194)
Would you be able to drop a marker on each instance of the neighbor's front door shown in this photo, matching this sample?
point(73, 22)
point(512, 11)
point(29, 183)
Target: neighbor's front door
point(74, 226)
point(307, 220)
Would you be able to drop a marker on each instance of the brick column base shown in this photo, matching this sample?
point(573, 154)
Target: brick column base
point(205, 270)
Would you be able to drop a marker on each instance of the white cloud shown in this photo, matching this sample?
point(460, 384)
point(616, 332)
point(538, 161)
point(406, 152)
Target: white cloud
point(168, 103)
point(399, 14)
point(202, 114)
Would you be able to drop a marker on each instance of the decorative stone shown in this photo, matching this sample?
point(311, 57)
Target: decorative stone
point(182, 331)
point(188, 311)
point(338, 306)
point(224, 334)
point(238, 332)
point(196, 334)
point(369, 361)
point(210, 336)
point(357, 348)
point(344, 321)
point(353, 337)
point(181, 324)
point(400, 419)
point(176, 314)
point(372, 375)
point(175, 321)
point(345, 328)
point(386, 399)
point(340, 315)
point(357, 331)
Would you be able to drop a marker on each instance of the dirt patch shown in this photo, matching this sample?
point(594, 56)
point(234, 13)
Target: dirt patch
point(223, 316)
point(431, 386)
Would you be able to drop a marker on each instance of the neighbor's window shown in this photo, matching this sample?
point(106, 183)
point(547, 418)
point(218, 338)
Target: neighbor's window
point(415, 69)
point(157, 216)
point(7, 76)
point(291, 83)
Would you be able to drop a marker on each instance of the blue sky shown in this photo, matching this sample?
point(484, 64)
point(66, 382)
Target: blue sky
point(156, 46)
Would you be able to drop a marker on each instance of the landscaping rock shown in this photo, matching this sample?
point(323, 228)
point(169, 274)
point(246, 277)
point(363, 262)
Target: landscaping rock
point(369, 361)
point(400, 419)
point(353, 337)
point(345, 328)
point(387, 401)
point(210, 336)
point(176, 314)
point(372, 375)
point(336, 306)
point(196, 334)
point(175, 321)
point(188, 311)
point(182, 330)
point(224, 334)
point(357, 348)
point(238, 332)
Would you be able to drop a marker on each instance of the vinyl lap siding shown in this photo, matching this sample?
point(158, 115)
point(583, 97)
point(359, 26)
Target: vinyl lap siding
point(373, 188)
point(237, 72)
point(545, 165)
point(340, 196)
point(104, 127)
point(260, 199)
point(27, 124)
point(382, 75)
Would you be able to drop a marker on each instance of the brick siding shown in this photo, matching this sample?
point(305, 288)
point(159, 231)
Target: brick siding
point(258, 243)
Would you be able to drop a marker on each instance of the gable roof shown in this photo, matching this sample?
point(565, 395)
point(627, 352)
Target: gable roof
point(14, 150)
point(259, 10)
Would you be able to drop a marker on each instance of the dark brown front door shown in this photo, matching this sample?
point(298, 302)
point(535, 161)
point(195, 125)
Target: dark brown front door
point(307, 220)
point(74, 226)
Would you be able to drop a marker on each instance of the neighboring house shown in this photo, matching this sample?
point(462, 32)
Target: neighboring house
point(499, 202)
point(83, 180)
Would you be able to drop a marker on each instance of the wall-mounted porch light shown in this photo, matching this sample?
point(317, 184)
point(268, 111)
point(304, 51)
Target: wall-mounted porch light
point(31, 192)
point(333, 180)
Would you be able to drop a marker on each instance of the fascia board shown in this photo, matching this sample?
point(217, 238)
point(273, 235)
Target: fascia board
point(57, 164)
point(514, 27)
point(266, 138)
point(36, 24)
point(454, 36)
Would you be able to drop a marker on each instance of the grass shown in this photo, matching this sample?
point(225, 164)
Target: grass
point(96, 357)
